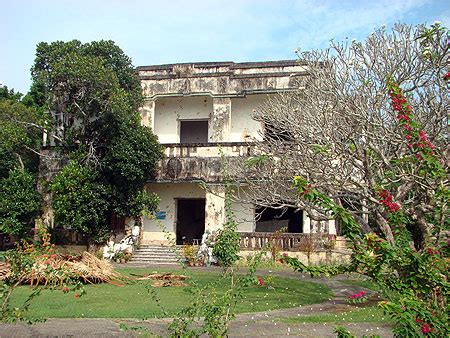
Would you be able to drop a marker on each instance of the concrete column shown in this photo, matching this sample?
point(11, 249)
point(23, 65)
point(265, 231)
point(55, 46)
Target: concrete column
point(332, 227)
point(148, 114)
point(215, 207)
point(221, 120)
point(306, 223)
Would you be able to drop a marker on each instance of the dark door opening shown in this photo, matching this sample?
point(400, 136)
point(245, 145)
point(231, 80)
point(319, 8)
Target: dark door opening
point(194, 131)
point(190, 220)
point(272, 219)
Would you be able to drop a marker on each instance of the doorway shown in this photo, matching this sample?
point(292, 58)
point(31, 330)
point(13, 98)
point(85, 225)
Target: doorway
point(190, 224)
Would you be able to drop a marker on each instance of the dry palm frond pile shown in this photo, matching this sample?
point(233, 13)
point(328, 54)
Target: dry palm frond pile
point(4, 270)
point(56, 270)
point(165, 279)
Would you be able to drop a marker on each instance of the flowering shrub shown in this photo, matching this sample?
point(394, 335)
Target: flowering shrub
point(260, 281)
point(358, 297)
point(413, 276)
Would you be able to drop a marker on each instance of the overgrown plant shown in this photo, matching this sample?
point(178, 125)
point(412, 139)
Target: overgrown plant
point(227, 244)
point(211, 312)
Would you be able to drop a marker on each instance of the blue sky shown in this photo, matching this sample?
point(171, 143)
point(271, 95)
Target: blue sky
point(156, 32)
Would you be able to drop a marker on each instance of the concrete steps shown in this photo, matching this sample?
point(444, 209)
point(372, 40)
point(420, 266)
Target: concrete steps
point(154, 254)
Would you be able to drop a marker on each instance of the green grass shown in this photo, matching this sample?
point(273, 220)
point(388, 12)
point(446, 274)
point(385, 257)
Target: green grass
point(133, 300)
point(372, 314)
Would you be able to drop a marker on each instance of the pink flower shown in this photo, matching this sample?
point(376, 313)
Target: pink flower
point(403, 117)
point(260, 281)
point(358, 295)
point(426, 328)
point(422, 136)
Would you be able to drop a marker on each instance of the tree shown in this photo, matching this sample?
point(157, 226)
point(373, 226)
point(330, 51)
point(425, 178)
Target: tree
point(19, 145)
point(19, 136)
point(19, 202)
point(339, 132)
point(365, 142)
point(93, 94)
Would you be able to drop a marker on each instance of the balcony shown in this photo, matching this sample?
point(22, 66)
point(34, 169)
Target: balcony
point(199, 161)
point(208, 149)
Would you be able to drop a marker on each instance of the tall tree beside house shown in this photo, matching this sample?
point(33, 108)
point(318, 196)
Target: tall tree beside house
point(340, 133)
point(19, 146)
point(93, 95)
point(366, 142)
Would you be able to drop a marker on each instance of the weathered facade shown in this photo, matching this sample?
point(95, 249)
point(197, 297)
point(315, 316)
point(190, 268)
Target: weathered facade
point(200, 111)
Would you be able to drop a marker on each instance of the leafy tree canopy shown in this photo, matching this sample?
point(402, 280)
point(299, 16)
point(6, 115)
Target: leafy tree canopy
point(19, 145)
point(19, 202)
point(93, 94)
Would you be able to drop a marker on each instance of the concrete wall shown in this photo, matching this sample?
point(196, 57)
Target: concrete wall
point(214, 209)
point(221, 78)
point(243, 127)
point(167, 193)
point(170, 110)
point(245, 216)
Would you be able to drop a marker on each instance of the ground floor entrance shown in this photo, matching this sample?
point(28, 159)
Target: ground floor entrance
point(190, 220)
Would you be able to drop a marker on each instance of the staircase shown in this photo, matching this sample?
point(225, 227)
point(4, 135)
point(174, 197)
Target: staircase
point(154, 254)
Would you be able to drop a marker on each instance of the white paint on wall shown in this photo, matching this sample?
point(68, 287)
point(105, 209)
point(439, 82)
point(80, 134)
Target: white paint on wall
point(243, 127)
point(170, 110)
point(245, 216)
point(168, 193)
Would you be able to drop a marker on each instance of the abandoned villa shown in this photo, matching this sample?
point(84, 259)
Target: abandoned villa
point(200, 111)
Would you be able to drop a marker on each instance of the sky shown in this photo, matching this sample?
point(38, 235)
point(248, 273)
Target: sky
point(170, 31)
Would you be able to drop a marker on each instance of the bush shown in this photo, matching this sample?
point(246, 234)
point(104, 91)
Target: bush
point(19, 202)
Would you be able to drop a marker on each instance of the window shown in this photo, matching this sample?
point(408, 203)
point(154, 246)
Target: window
point(194, 131)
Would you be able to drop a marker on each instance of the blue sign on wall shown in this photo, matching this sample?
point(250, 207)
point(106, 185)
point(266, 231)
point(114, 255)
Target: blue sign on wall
point(161, 215)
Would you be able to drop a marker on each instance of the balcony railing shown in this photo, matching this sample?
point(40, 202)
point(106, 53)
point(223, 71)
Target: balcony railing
point(287, 241)
point(208, 149)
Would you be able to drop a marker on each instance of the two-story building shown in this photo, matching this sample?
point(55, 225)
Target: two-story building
point(200, 111)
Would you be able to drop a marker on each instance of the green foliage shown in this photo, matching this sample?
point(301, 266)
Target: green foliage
point(189, 254)
point(19, 135)
point(96, 89)
point(80, 201)
point(9, 94)
point(132, 151)
point(342, 332)
point(227, 245)
point(216, 309)
point(19, 202)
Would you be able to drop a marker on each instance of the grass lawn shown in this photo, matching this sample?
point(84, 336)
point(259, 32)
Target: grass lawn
point(133, 300)
point(372, 314)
